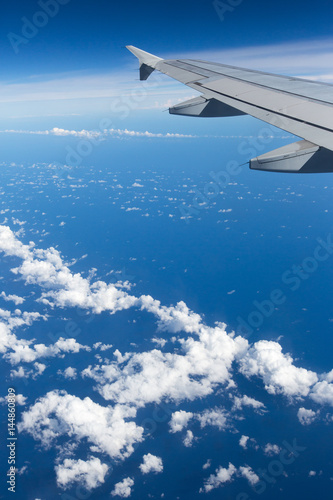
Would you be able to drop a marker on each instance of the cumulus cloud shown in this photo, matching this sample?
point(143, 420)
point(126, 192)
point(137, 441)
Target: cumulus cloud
point(151, 463)
point(69, 372)
point(203, 361)
point(246, 441)
point(240, 402)
point(123, 489)
point(151, 376)
point(248, 473)
point(279, 374)
point(47, 269)
point(188, 439)
point(179, 420)
point(225, 475)
point(107, 429)
point(9, 322)
point(90, 473)
point(271, 449)
point(22, 352)
point(101, 346)
point(216, 417)
point(14, 298)
point(19, 399)
point(220, 477)
point(243, 441)
point(322, 393)
point(98, 135)
point(38, 369)
point(306, 417)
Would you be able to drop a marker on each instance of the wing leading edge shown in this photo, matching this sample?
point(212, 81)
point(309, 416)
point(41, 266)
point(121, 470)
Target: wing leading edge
point(301, 107)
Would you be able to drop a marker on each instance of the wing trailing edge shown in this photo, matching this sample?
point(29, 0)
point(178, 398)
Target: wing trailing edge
point(299, 157)
point(206, 108)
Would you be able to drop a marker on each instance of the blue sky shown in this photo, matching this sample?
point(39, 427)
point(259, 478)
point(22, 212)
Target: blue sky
point(91, 35)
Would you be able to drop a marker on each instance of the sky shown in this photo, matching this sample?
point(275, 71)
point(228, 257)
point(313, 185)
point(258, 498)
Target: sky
point(159, 341)
point(76, 62)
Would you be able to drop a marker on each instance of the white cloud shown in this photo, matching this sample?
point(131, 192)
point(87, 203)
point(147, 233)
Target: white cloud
point(69, 372)
point(239, 403)
point(90, 474)
point(179, 420)
point(188, 439)
point(279, 374)
point(216, 417)
point(107, 429)
point(123, 488)
point(22, 470)
point(95, 135)
point(223, 475)
point(101, 346)
point(246, 441)
point(46, 269)
point(306, 417)
point(22, 352)
point(248, 473)
point(194, 372)
point(243, 441)
point(151, 463)
point(271, 449)
point(14, 298)
point(220, 477)
point(38, 369)
point(19, 399)
point(203, 361)
point(322, 393)
point(9, 322)
point(158, 341)
point(328, 376)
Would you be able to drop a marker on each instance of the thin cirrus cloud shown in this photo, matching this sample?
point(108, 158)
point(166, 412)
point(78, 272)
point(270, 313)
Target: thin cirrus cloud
point(308, 59)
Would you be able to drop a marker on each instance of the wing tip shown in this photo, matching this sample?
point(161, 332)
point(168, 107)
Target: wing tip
point(147, 61)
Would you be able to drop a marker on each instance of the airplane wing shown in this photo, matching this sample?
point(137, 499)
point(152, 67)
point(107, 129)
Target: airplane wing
point(301, 107)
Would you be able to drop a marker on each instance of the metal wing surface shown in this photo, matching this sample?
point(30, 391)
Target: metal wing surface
point(301, 107)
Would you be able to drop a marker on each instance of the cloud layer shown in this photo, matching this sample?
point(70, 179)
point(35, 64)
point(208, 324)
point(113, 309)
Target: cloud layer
point(201, 360)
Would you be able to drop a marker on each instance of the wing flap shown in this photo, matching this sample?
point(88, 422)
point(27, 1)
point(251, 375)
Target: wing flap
point(206, 108)
point(299, 157)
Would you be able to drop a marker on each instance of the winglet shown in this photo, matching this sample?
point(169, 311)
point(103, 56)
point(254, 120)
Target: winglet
point(147, 61)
